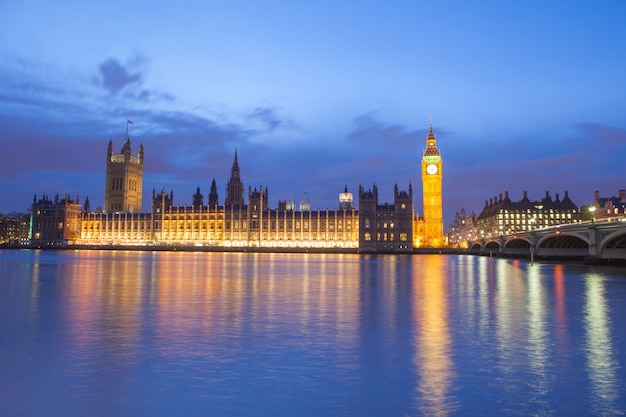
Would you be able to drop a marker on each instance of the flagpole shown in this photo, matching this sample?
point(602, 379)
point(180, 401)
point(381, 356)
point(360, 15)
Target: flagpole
point(127, 128)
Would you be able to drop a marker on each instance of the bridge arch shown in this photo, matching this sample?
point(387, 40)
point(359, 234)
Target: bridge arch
point(563, 244)
point(516, 246)
point(613, 245)
point(492, 246)
point(517, 242)
point(565, 239)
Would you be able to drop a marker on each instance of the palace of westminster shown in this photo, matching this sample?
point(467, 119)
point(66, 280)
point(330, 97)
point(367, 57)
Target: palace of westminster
point(239, 224)
point(243, 219)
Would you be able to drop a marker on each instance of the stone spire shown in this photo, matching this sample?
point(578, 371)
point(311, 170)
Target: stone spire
point(234, 172)
point(431, 142)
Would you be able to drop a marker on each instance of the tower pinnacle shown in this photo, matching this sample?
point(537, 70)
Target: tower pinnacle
point(235, 169)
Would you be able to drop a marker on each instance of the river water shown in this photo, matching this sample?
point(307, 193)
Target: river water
point(123, 333)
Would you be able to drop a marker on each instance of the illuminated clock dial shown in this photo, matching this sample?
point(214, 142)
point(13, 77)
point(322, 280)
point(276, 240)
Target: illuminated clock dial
point(431, 169)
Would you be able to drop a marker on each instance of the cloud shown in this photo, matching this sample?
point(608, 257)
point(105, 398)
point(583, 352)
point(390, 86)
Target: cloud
point(367, 130)
point(150, 96)
point(56, 129)
point(379, 150)
point(595, 134)
point(115, 77)
point(266, 115)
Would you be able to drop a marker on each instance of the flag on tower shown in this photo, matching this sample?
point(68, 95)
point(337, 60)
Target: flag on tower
point(130, 121)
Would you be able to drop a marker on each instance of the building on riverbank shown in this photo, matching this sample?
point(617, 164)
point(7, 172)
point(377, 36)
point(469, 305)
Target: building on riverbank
point(56, 222)
point(14, 229)
point(502, 216)
point(605, 208)
point(242, 221)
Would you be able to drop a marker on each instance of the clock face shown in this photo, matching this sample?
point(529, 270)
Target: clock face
point(431, 169)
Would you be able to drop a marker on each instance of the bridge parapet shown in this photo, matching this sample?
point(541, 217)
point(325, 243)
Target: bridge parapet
point(601, 240)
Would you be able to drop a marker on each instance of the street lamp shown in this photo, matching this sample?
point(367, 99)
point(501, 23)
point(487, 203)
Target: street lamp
point(592, 210)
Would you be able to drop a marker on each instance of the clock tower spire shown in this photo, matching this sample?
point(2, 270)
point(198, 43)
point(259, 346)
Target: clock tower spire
point(432, 192)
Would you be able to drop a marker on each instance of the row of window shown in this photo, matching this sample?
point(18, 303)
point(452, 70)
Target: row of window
point(117, 183)
point(195, 217)
point(538, 216)
point(384, 225)
point(382, 237)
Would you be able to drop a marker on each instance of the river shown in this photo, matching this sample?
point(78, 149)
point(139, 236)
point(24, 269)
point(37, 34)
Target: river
point(130, 333)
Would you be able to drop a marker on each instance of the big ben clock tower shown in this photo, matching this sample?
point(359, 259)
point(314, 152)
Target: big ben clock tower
point(432, 193)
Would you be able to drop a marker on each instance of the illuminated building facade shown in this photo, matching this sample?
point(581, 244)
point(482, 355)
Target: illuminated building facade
point(124, 179)
point(241, 223)
point(251, 225)
point(432, 178)
point(501, 216)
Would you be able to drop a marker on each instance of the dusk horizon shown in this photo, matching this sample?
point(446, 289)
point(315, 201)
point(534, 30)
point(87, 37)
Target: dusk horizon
point(315, 97)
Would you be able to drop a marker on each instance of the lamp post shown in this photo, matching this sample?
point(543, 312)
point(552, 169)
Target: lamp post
point(533, 239)
point(592, 210)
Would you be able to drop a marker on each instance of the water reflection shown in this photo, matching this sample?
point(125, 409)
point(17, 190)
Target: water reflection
point(509, 288)
point(601, 361)
point(560, 314)
point(128, 333)
point(432, 357)
point(538, 342)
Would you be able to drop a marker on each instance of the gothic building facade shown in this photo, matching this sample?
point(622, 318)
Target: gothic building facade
point(124, 179)
point(385, 227)
point(243, 222)
point(55, 222)
point(432, 189)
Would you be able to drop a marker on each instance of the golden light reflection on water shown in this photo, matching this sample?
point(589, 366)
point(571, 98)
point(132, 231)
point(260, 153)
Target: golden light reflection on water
point(104, 297)
point(605, 385)
point(190, 300)
point(562, 337)
point(432, 355)
point(508, 325)
point(509, 307)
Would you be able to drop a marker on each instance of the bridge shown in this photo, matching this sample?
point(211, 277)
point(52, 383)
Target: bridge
point(592, 240)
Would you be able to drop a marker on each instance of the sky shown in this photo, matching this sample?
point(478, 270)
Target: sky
point(315, 96)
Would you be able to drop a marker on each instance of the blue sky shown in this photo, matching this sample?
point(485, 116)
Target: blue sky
point(524, 96)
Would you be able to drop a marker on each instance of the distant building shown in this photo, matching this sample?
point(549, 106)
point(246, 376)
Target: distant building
point(463, 229)
point(501, 216)
point(346, 200)
point(305, 205)
point(124, 180)
point(607, 207)
point(14, 228)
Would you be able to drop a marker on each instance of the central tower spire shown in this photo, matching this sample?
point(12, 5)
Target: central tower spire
point(234, 172)
point(234, 189)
